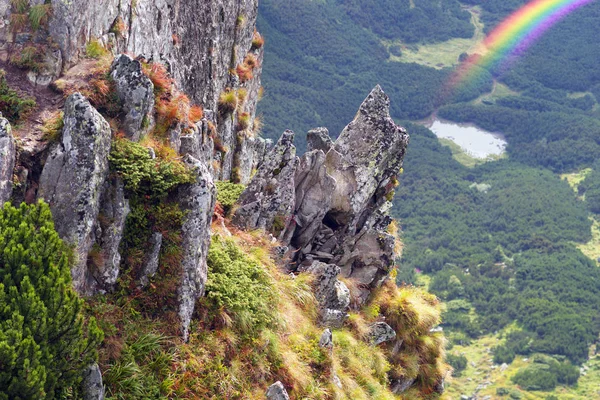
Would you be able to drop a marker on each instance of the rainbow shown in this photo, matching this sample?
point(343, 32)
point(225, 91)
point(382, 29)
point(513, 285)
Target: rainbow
point(513, 37)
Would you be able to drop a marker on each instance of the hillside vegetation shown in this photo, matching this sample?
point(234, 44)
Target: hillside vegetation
point(499, 242)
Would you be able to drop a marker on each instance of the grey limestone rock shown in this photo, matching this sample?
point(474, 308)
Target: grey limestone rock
point(136, 92)
point(401, 385)
point(318, 139)
point(333, 295)
point(7, 160)
point(277, 392)
point(114, 208)
point(91, 386)
point(73, 177)
point(329, 291)
point(152, 259)
point(198, 199)
point(380, 332)
point(341, 211)
point(268, 201)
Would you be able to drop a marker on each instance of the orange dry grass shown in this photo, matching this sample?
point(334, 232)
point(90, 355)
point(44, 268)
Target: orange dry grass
point(160, 77)
point(251, 61)
point(244, 73)
point(257, 40)
point(196, 114)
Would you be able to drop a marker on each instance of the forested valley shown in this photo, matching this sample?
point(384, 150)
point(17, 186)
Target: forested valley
point(500, 243)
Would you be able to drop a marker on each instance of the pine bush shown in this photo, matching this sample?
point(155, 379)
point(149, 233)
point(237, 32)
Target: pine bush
point(44, 341)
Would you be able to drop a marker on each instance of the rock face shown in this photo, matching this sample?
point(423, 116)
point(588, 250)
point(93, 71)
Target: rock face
point(136, 92)
point(268, 201)
point(7, 160)
point(73, 177)
point(198, 199)
point(277, 392)
point(152, 259)
point(200, 41)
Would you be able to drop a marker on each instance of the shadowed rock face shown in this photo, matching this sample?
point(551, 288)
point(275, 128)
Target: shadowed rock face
point(73, 177)
point(109, 229)
point(7, 160)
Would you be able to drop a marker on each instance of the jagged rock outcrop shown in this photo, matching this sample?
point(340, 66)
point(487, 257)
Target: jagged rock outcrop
point(73, 177)
point(326, 340)
point(277, 392)
point(136, 92)
point(7, 160)
point(198, 200)
point(200, 41)
point(352, 218)
point(341, 198)
point(114, 208)
point(268, 201)
point(92, 387)
point(318, 139)
point(380, 332)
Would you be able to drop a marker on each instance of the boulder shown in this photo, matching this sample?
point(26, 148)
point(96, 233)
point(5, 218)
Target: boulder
point(277, 392)
point(329, 291)
point(268, 201)
point(7, 160)
point(198, 200)
point(136, 92)
point(73, 178)
point(91, 385)
point(399, 386)
point(326, 340)
point(380, 332)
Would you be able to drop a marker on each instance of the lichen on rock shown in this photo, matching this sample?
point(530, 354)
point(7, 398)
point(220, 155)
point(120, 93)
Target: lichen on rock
point(73, 177)
point(7, 159)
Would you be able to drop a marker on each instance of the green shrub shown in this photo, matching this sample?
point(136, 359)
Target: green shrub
point(239, 286)
point(44, 343)
point(503, 354)
point(14, 108)
point(458, 363)
point(228, 194)
point(144, 175)
point(94, 49)
point(535, 377)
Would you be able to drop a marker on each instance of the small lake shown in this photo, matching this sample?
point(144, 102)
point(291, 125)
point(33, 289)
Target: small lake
point(474, 141)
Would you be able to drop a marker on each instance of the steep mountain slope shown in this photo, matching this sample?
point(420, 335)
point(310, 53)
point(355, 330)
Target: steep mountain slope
point(499, 242)
point(217, 264)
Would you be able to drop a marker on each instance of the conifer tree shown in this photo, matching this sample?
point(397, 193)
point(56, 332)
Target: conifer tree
point(44, 342)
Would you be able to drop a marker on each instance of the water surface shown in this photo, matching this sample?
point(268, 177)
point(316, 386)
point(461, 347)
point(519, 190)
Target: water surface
point(474, 141)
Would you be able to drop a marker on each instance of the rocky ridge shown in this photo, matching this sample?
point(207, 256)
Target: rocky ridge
point(327, 209)
point(337, 203)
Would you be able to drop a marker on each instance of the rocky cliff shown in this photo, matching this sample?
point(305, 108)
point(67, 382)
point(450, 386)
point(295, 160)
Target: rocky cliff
point(156, 106)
